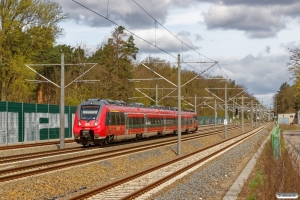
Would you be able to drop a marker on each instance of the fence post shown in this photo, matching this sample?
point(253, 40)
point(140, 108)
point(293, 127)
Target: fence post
point(22, 128)
point(48, 123)
point(6, 123)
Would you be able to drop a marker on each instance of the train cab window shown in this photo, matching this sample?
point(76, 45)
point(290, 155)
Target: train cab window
point(89, 112)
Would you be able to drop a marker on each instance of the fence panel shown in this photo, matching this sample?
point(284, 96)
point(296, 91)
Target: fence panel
point(275, 138)
point(14, 121)
point(25, 122)
point(203, 120)
point(3, 122)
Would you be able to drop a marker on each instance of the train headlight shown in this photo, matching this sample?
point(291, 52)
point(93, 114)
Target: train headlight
point(79, 122)
point(96, 122)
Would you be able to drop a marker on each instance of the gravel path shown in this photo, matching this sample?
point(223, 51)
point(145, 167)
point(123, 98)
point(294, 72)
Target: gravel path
point(209, 182)
point(65, 183)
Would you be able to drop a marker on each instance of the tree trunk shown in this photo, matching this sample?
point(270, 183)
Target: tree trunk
point(3, 97)
point(40, 94)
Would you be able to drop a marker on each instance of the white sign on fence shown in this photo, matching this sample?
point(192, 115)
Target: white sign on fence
point(225, 121)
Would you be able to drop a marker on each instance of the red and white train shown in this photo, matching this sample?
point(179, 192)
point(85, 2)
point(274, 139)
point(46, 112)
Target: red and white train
point(100, 121)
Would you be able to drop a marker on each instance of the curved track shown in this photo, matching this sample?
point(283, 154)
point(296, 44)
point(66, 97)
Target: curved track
point(137, 185)
point(20, 157)
point(12, 171)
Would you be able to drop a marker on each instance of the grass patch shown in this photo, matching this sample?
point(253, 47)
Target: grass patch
point(271, 176)
point(253, 184)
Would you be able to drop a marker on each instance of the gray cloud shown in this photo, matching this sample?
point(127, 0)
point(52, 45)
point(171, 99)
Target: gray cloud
point(256, 18)
point(184, 33)
point(256, 2)
point(168, 44)
point(261, 75)
point(124, 12)
point(257, 22)
point(290, 45)
point(268, 49)
point(198, 37)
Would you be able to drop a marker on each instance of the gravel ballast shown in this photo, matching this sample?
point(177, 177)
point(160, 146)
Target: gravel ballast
point(63, 184)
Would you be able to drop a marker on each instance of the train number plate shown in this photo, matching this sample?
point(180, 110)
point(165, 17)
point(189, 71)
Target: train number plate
point(87, 124)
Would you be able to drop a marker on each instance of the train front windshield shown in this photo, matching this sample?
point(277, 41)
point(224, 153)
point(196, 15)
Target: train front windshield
point(89, 112)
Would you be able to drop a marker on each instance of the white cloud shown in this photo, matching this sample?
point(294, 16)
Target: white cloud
point(261, 75)
point(162, 40)
point(257, 22)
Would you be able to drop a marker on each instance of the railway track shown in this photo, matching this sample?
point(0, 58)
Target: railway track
point(36, 144)
point(12, 171)
point(57, 142)
point(145, 183)
point(38, 155)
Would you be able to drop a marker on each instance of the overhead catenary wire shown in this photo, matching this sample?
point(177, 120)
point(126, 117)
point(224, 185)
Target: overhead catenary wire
point(170, 31)
point(222, 70)
point(182, 42)
point(211, 61)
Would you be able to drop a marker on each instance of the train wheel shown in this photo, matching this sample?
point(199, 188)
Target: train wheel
point(110, 138)
point(139, 136)
point(106, 141)
point(186, 131)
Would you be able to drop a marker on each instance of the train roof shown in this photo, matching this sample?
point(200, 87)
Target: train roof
point(98, 101)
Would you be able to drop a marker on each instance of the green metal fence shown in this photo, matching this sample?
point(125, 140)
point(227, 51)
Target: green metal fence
point(203, 120)
point(275, 137)
point(24, 122)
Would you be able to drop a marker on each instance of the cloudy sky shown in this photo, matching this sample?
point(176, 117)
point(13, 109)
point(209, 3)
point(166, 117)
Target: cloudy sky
point(249, 39)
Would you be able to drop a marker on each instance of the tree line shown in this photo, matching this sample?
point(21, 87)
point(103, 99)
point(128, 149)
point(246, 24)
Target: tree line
point(29, 30)
point(287, 99)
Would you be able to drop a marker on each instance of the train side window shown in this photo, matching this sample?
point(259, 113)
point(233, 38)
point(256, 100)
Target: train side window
point(113, 118)
point(122, 119)
point(118, 120)
point(151, 122)
point(134, 121)
point(130, 122)
point(142, 121)
point(108, 119)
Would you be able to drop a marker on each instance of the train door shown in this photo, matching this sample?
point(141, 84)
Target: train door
point(164, 123)
point(145, 123)
point(126, 124)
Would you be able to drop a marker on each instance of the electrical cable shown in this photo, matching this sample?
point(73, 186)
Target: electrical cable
point(170, 31)
point(212, 61)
